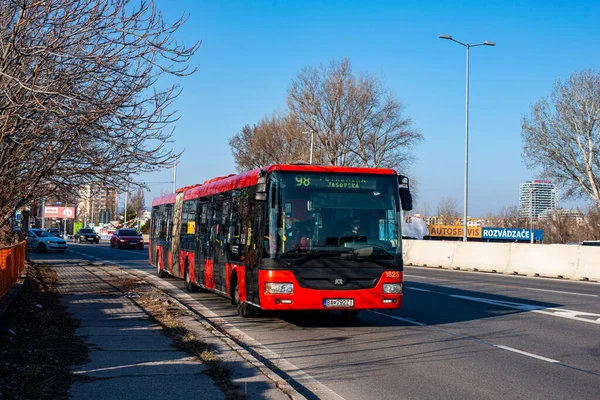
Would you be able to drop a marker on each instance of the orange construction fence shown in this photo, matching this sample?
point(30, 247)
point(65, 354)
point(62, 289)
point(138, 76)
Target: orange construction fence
point(12, 262)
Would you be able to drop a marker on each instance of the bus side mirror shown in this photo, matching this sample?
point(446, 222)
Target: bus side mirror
point(404, 190)
point(261, 187)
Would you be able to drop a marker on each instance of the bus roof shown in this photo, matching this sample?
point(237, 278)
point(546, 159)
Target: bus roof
point(250, 178)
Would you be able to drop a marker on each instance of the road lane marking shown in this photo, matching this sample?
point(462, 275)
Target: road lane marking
point(505, 285)
point(526, 353)
point(471, 338)
point(418, 289)
point(555, 312)
point(560, 291)
point(421, 277)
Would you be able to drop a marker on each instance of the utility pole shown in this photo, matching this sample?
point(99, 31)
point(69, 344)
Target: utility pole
point(43, 213)
point(174, 176)
point(126, 200)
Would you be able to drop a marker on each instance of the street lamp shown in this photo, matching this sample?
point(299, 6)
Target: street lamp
point(312, 137)
point(468, 46)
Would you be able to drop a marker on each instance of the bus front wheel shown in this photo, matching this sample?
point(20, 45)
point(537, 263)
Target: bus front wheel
point(350, 314)
point(159, 271)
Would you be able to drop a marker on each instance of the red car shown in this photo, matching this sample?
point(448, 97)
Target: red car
point(127, 237)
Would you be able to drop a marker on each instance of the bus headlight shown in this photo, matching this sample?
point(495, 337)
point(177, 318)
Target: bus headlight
point(279, 288)
point(392, 288)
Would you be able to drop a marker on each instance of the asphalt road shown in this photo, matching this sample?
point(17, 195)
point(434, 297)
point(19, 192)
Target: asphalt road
point(459, 335)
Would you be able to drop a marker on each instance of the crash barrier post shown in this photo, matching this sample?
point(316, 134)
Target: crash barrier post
point(12, 262)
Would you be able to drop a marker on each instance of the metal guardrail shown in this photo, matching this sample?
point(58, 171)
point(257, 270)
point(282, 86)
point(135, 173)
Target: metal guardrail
point(12, 262)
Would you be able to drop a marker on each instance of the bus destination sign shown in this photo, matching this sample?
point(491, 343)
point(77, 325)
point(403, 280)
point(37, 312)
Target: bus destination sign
point(335, 181)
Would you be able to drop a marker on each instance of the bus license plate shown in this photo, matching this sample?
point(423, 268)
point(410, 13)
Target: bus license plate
point(338, 302)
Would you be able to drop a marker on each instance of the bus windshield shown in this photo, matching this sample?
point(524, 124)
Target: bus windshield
point(333, 214)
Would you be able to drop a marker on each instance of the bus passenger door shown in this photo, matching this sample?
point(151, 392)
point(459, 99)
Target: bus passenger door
point(202, 240)
point(254, 249)
point(166, 236)
point(221, 215)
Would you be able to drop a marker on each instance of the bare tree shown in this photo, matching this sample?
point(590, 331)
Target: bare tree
point(355, 120)
point(79, 102)
point(138, 203)
point(448, 211)
point(561, 135)
point(275, 139)
point(591, 226)
point(507, 217)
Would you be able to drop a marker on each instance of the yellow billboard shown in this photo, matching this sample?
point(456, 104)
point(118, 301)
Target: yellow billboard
point(454, 231)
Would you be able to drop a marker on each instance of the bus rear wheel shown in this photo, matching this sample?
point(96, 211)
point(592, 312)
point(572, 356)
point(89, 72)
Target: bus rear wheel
point(189, 285)
point(245, 310)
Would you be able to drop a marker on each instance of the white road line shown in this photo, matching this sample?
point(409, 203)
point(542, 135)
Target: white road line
point(410, 321)
point(560, 291)
point(526, 353)
point(418, 289)
point(555, 312)
point(421, 277)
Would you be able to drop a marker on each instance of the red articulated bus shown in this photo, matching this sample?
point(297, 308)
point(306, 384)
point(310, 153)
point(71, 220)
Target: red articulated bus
point(287, 237)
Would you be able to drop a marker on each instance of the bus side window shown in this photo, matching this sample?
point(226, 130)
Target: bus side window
point(235, 246)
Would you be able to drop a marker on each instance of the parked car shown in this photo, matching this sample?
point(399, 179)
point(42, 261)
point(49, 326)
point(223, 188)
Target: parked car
point(54, 232)
point(43, 241)
point(127, 237)
point(86, 235)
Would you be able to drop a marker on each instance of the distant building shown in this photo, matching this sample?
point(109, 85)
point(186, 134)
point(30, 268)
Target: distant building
point(576, 216)
point(537, 196)
point(96, 205)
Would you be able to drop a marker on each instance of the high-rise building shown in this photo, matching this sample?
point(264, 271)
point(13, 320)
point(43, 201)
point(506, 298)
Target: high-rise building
point(96, 204)
point(537, 196)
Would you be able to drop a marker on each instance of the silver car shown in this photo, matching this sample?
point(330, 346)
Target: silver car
point(43, 241)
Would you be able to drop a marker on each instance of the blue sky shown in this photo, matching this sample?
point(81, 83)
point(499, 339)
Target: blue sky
point(251, 50)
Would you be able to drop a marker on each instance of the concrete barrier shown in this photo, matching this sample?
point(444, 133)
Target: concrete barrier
point(589, 263)
point(428, 253)
point(488, 257)
point(566, 261)
point(549, 260)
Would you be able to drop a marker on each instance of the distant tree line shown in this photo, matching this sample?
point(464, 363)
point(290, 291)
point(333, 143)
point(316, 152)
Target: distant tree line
point(354, 120)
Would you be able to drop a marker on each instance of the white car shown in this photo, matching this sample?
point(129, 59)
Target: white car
point(44, 241)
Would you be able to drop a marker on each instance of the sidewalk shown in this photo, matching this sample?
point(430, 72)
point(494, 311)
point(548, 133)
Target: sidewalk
point(130, 358)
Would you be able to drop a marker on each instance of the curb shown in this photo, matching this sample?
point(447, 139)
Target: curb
point(8, 301)
point(224, 334)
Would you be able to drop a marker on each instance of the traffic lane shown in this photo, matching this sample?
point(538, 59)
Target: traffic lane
point(129, 258)
point(533, 285)
point(317, 341)
point(404, 361)
point(381, 357)
point(573, 342)
point(532, 328)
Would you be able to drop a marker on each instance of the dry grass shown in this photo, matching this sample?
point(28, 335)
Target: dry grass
point(38, 344)
point(168, 313)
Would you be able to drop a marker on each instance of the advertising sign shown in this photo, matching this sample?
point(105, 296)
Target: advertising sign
point(512, 234)
point(454, 231)
point(59, 212)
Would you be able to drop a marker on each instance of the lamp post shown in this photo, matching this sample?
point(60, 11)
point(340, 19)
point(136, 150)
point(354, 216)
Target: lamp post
point(467, 46)
point(174, 176)
point(531, 212)
point(312, 139)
